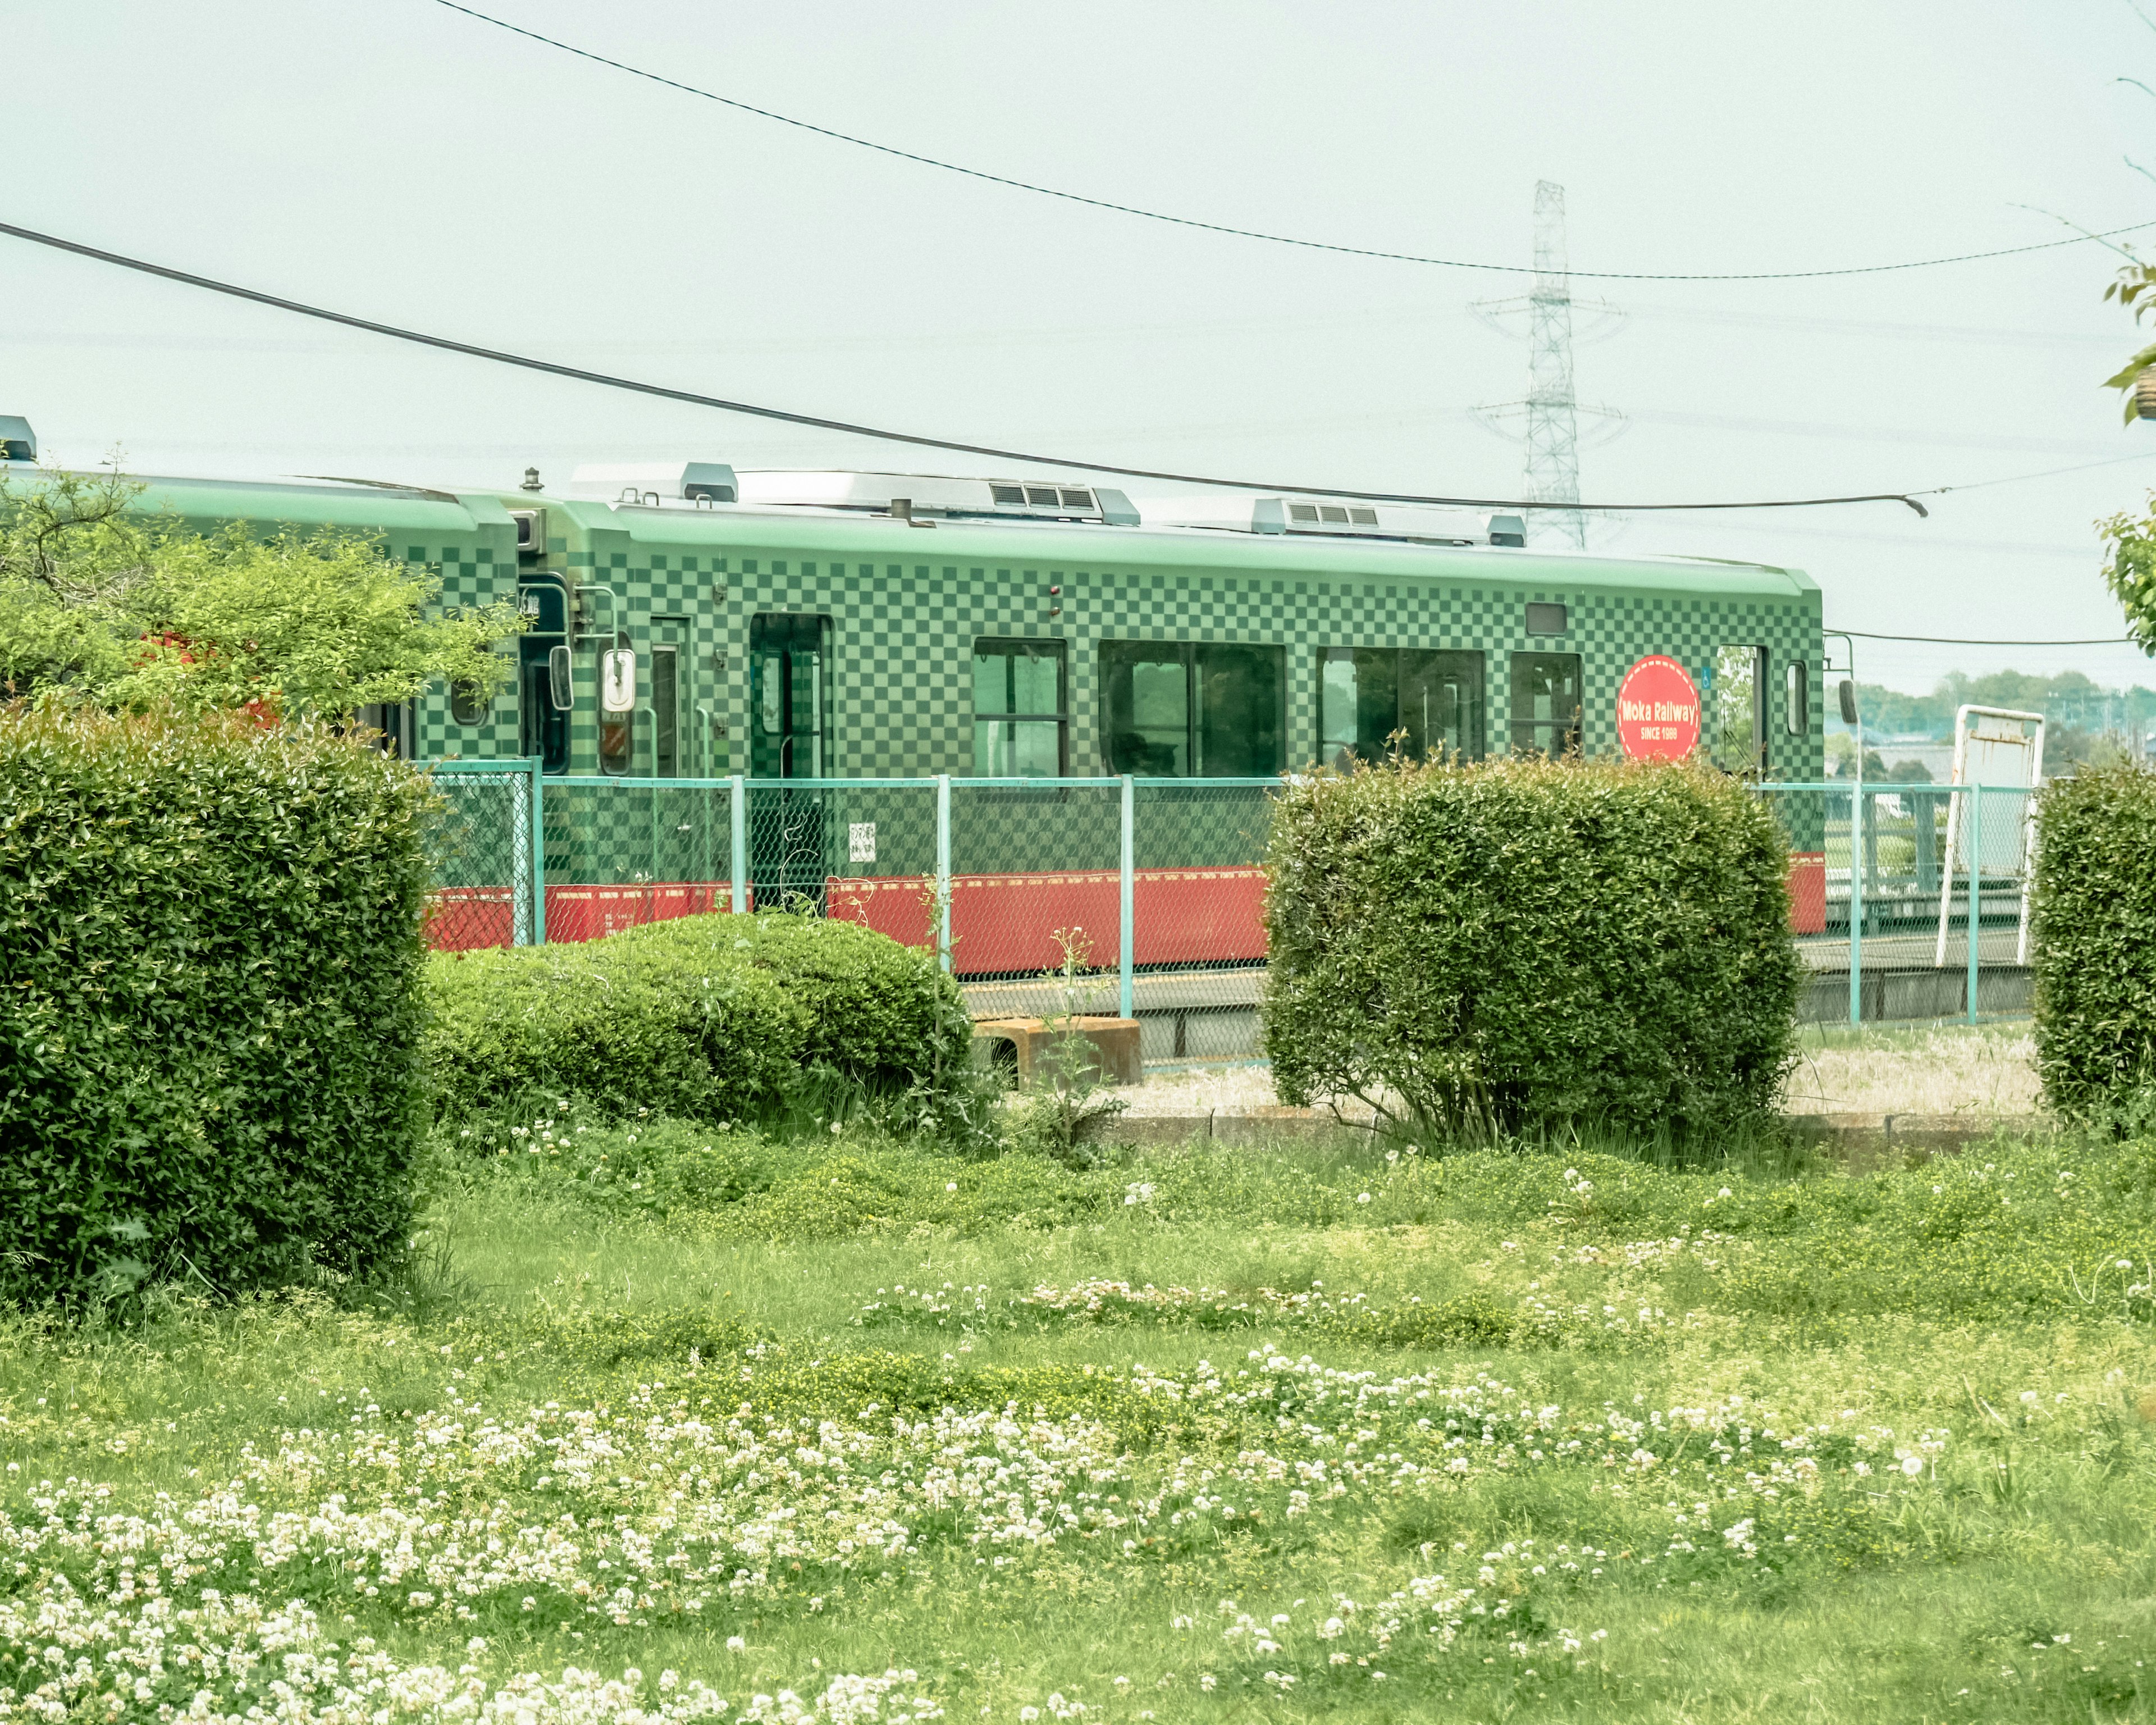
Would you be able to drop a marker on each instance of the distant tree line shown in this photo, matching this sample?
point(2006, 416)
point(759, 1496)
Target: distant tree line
point(2069, 700)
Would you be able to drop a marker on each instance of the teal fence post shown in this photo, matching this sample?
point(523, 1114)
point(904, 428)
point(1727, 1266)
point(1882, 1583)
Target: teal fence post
point(1975, 886)
point(1128, 903)
point(944, 869)
point(738, 810)
point(1856, 905)
point(538, 852)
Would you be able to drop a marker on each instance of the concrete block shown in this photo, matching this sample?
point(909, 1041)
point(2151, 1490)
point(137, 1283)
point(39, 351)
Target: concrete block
point(1110, 1045)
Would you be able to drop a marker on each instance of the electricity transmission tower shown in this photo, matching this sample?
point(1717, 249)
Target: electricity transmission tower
point(1551, 410)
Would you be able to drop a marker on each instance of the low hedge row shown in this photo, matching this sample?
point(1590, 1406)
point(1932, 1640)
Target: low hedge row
point(209, 1002)
point(1525, 942)
point(717, 1018)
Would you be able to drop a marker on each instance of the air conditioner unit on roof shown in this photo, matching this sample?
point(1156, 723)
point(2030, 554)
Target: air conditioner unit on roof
point(1340, 518)
point(660, 481)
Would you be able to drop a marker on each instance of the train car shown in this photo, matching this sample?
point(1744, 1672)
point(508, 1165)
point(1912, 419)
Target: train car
point(829, 626)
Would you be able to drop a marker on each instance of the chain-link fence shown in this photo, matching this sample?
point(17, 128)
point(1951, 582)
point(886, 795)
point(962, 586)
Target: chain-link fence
point(1886, 883)
point(487, 884)
point(620, 853)
point(1147, 898)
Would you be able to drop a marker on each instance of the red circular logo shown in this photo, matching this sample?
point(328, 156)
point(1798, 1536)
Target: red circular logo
point(1658, 711)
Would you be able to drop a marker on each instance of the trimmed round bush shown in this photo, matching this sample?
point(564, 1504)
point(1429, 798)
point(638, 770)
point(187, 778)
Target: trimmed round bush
point(1531, 943)
point(717, 1018)
point(209, 1002)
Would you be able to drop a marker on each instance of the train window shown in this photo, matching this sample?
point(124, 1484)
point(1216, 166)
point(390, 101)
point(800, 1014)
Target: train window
point(1546, 703)
point(471, 702)
point(1797, 698)
point(1737, 705)
point(1546, 619)
point(1020, 708)
point(1180, 709)
point(1369, 695)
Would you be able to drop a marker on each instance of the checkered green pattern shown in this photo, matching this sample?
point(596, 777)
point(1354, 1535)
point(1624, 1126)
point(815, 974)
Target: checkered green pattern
point(905, 617)
point(903, 637)
point(478, 570)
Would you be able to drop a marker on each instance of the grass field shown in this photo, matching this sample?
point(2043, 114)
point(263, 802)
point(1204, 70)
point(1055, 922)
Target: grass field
point(661, 1417)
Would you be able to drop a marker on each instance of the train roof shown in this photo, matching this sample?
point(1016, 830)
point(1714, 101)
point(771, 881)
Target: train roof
point(1215, 534)
point(1162, 533)
point(306, 503)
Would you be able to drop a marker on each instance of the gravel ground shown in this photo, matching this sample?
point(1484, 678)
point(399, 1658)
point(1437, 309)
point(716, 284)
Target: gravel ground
point(1989, 1070)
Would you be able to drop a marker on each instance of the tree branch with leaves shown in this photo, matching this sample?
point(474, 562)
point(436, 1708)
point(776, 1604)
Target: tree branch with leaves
point(134, 612)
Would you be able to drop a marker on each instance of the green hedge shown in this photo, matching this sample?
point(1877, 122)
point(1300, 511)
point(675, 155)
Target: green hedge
point(1530, 943)
point(2095, 910)
point(716, 1019)
point(209, 1002)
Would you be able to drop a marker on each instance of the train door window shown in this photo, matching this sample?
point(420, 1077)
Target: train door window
point(1546, 703)
point(789, 658)
point(1020, 708)
point(1176, 709)
point(1797, 698)
point(1739, 707)
point(1369, 695)
point(542, 727)
point(667, 643)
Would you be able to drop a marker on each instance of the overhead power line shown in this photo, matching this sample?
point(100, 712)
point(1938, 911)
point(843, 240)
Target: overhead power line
point(1314, 245)
point(1961, 641)
point(664, 392)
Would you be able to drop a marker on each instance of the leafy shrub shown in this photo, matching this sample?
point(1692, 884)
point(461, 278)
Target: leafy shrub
point(717, 1019)
point(622, 1024)
point(2095, 942)
point(1529, 941)
point(209, 1001)
point(884, 1016)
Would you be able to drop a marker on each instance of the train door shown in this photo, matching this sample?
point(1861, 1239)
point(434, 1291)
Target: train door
point(789, 660)
point(543, 722)
point(396, 723)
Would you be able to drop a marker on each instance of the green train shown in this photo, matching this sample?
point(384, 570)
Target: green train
point(689, 621)
point(834, 625)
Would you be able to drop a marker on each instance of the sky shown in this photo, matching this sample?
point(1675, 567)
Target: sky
point(403, 162)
